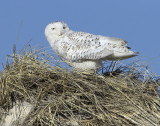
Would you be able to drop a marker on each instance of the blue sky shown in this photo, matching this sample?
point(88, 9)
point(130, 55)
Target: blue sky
point(137, 21)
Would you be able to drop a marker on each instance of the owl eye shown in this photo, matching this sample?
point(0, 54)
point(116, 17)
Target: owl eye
point(64, 27)
point(52, 28)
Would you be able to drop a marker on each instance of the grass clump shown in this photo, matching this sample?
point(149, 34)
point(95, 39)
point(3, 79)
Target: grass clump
point(63, 97)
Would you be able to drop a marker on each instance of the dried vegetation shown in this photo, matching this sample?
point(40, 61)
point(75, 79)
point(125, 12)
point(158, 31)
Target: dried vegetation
point(62, 97)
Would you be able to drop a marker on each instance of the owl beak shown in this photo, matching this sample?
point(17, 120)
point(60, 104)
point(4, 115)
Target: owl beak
point(60, 34)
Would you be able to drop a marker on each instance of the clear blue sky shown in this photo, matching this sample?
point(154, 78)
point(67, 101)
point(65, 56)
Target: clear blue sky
point(137, 21)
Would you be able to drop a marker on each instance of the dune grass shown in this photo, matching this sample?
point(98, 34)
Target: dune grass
point(126, 95)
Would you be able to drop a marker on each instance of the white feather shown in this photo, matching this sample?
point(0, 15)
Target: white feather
point(82, 50)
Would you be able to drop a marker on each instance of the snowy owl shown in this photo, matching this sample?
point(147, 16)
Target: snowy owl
point(84, 51)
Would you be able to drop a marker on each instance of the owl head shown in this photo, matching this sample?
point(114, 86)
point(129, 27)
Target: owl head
point(57, 28)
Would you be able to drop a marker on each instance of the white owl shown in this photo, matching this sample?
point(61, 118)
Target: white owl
point(85, 51)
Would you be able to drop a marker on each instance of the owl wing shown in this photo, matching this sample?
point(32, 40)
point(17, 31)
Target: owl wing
point(81, 46)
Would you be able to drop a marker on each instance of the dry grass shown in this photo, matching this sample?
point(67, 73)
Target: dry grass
point(63, 97)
